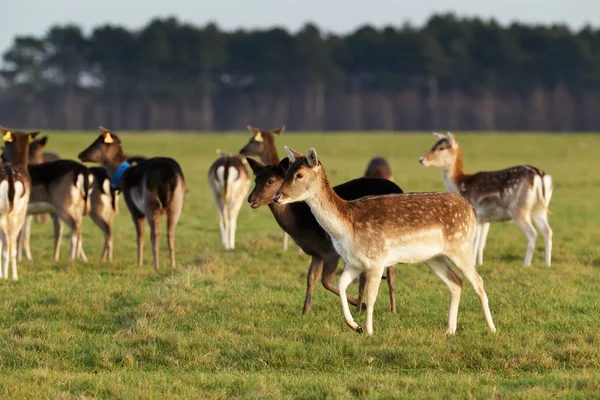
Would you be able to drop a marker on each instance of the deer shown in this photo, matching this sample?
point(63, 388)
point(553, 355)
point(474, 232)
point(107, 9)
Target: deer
point(375, 231)
point(262, 145)
point(378, 167)
point(103, 201)
point(229, 182)
point(520, 193)
point(152, 188)
point(37, 155)
point(297, 221)
point(60, 188)
point(15, 188)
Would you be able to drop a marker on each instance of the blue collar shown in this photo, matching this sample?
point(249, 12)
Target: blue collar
point(114, 183)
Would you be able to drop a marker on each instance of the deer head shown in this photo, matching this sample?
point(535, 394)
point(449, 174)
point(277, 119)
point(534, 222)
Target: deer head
point(262, 140)
point(16, 145)
point(36, 150)
point(443, 153)
point(105, 147)
point(303, 178)
point(268, 178)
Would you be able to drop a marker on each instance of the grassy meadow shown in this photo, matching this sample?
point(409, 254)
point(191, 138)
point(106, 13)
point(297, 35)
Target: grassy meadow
point(228, 323)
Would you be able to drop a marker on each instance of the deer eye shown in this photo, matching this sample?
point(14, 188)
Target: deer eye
point(270, 182)
point(299, 176)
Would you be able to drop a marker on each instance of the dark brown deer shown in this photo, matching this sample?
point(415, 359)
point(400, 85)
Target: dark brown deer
point(375, 231)
point(15, 188)
point(379, 168)
point(262, 145)
point(37, 155)
point(520, 193)
point(103, 201)
point(229, 182)
point(297, 220)
point(152, 188)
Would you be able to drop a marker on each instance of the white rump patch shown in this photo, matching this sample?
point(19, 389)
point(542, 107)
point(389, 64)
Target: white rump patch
point(106, 186)
point(79, 184)
point(234, 174)
point(4, 201)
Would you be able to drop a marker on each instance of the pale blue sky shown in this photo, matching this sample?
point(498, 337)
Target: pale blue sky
point(36, 16)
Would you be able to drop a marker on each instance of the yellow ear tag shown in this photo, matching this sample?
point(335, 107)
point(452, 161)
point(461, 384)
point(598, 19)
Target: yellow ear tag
point(259, 137)
point(8, 137)
point(31, 139)
point(108, 138)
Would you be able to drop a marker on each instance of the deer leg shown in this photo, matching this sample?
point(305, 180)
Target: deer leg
point(23, 241)
point(443, 270)
point(58, 231)
point(477, 239)
point(391, 281)
point(348, 276)
point(329, 267)
point(12, 240)
point(316, 268)
point(525, 224)
point(540, 218)
point(466, 265)
point(5, 254)
point(139, 233)
point(80, 251)
point(172, 219)
point(75, 234)
point(154, 222)
point(233, 216)
point(374, 276)
point(285, 241)
point(362, 284)
point(485, 228)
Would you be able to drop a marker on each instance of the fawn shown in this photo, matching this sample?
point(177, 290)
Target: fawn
point(375, 231)
point(521, 193)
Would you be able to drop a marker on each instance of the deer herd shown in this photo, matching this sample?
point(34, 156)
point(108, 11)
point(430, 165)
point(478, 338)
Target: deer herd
point(369, 222)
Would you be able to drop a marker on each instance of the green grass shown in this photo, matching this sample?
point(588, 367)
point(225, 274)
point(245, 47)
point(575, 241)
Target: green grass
point(229, 324)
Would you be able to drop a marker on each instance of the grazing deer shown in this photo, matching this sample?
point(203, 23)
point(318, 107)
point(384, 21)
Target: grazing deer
point(521, 193)
point(229, 183)
point(297, 220)
point(15, 188)
point(375, 231)
point(262, 145)
point(151, 188)
point(37, 155)
point(379, 168)
point(103, 201)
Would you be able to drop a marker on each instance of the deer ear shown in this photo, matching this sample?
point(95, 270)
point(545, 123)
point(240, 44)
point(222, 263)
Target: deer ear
point(221, 153)
point(284, 164)
point(438, 136)
point(293, 154)
point(32, 135)
point(279, 130)
point(43, 141)
point(252, 129)
point(452, 139)
point(311, 158)
point(255, 164)
point(8, 137)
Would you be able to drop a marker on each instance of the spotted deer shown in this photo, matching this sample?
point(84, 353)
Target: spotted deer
point(297, 220)
point(378, 167)
point(262, 145)
point(520, 193)
point(103, 199)
point(229, 182)
point(15, 188)
point(152, 188)
point(374, 231)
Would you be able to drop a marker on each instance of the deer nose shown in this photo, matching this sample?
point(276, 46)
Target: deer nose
point(421, 159)
point(277, 197)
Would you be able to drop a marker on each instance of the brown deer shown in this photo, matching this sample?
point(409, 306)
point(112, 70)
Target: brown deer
point(262, 145)
point(37, 155)
point(152, 188)
point(520, 193)
point(378, 167)
point(103, 201)
point(297, 220)
point(229, 182)
point(375, 231)
point(15, 188)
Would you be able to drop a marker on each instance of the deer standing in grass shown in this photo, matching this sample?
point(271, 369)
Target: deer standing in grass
point(520, 193)
point(103, 201)
point(229, 182)
point(375, 231)
point(297, 220)
point(37, 155)
point(152, 188)
point(15, 188)
point(378, 167)
point(262, 145)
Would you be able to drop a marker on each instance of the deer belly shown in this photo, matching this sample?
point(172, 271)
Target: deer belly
point(492, 213)
point(40, 207)
point(422, 247)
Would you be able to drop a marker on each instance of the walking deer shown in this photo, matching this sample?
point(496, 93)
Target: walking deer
point(229, 182)
point(152, 188)
point(15, 188)
point(262, 145)
point(103, 201)
point(378, 167)
point(520, 193)
point(297, 220)
point(375, 231)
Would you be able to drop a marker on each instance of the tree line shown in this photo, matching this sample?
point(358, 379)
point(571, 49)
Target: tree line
point(451, 73)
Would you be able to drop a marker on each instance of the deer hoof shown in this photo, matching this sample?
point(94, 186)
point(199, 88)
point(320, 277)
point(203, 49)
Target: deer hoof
point(359, 329)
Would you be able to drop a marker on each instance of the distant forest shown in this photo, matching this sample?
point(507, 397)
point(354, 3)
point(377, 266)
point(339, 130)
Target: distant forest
point(449, 74)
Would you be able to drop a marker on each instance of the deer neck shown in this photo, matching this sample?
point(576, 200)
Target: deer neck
point(330, 211)
point(22, 157)
point(269, 156)
point(115, 167)
point(454, 174)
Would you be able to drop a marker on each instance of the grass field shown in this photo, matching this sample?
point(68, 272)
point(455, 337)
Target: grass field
point(229, 324)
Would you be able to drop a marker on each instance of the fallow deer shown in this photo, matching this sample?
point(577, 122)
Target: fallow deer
point(135, 160)
point(520, 193)
point(375, 231)
point(297, 220)
point(37, 155)
point(378, 167)
point(15, 188)
point(103, 201)
point(262, 145)
point(229, 182)
point(152, 188)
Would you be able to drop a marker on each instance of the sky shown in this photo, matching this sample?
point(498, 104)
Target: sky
point(35, 17)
